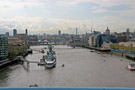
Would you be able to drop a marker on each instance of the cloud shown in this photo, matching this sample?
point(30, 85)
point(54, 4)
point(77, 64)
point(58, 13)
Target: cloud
point(51, 15)
point(52, 25)
point(129, 13)
point(33, 3)
point(18, 4)
point(100, 11)
point(101, 3)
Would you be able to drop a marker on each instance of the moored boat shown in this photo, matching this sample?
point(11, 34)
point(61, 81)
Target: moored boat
point(42, 51)
point(29, 50)
point(50, 58)
point(131, 66)
point(50, 64)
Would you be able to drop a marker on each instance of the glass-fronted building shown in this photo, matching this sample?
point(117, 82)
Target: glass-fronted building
point(3, 47)
point(103, 38)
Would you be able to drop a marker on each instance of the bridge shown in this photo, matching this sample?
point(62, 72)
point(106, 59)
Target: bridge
point(41, 43)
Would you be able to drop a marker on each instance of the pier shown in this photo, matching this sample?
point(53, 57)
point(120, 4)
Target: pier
point(22, 60)
point(130, 56)
point(95, 48)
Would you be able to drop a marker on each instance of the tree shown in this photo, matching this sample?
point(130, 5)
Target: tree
point(13, 53)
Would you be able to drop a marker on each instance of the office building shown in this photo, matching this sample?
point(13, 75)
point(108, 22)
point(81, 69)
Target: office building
point(128, 33)
point(26, 31)
point(22, 37)
point(14, 32)
point(59, 32)
point(3, 47)
point(76, 31)
point(7, 34)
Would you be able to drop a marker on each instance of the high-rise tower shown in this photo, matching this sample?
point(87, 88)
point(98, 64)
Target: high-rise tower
point(26, 31)
point(14, 32)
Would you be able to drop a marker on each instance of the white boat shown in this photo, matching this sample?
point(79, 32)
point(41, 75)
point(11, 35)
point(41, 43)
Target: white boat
point(50, 64)
point(131, 66)
point(42, 51)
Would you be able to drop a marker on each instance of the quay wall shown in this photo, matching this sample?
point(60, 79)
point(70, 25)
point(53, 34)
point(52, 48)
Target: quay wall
point(129, 55)
point(12, 60)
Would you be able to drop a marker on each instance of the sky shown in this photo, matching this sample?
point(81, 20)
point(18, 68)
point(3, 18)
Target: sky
point(49, 16)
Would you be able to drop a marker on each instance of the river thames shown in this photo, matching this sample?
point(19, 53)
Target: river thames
point(82, 69)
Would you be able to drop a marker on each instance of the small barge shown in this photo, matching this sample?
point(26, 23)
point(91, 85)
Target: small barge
point(131, 66)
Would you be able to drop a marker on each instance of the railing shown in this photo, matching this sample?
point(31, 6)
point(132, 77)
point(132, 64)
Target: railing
point(122, 51)
point(62, 88)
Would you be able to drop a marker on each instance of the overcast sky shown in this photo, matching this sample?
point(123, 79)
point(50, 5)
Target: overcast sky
point(49, 16)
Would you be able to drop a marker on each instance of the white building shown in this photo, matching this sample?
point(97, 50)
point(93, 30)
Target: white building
point(92, 40)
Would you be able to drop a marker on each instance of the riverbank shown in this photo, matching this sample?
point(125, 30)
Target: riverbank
point(95, 48)
point(11, 61)
point(129, 56)
point(7, 63)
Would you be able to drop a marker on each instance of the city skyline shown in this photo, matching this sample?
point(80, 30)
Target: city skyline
point(49, 16)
